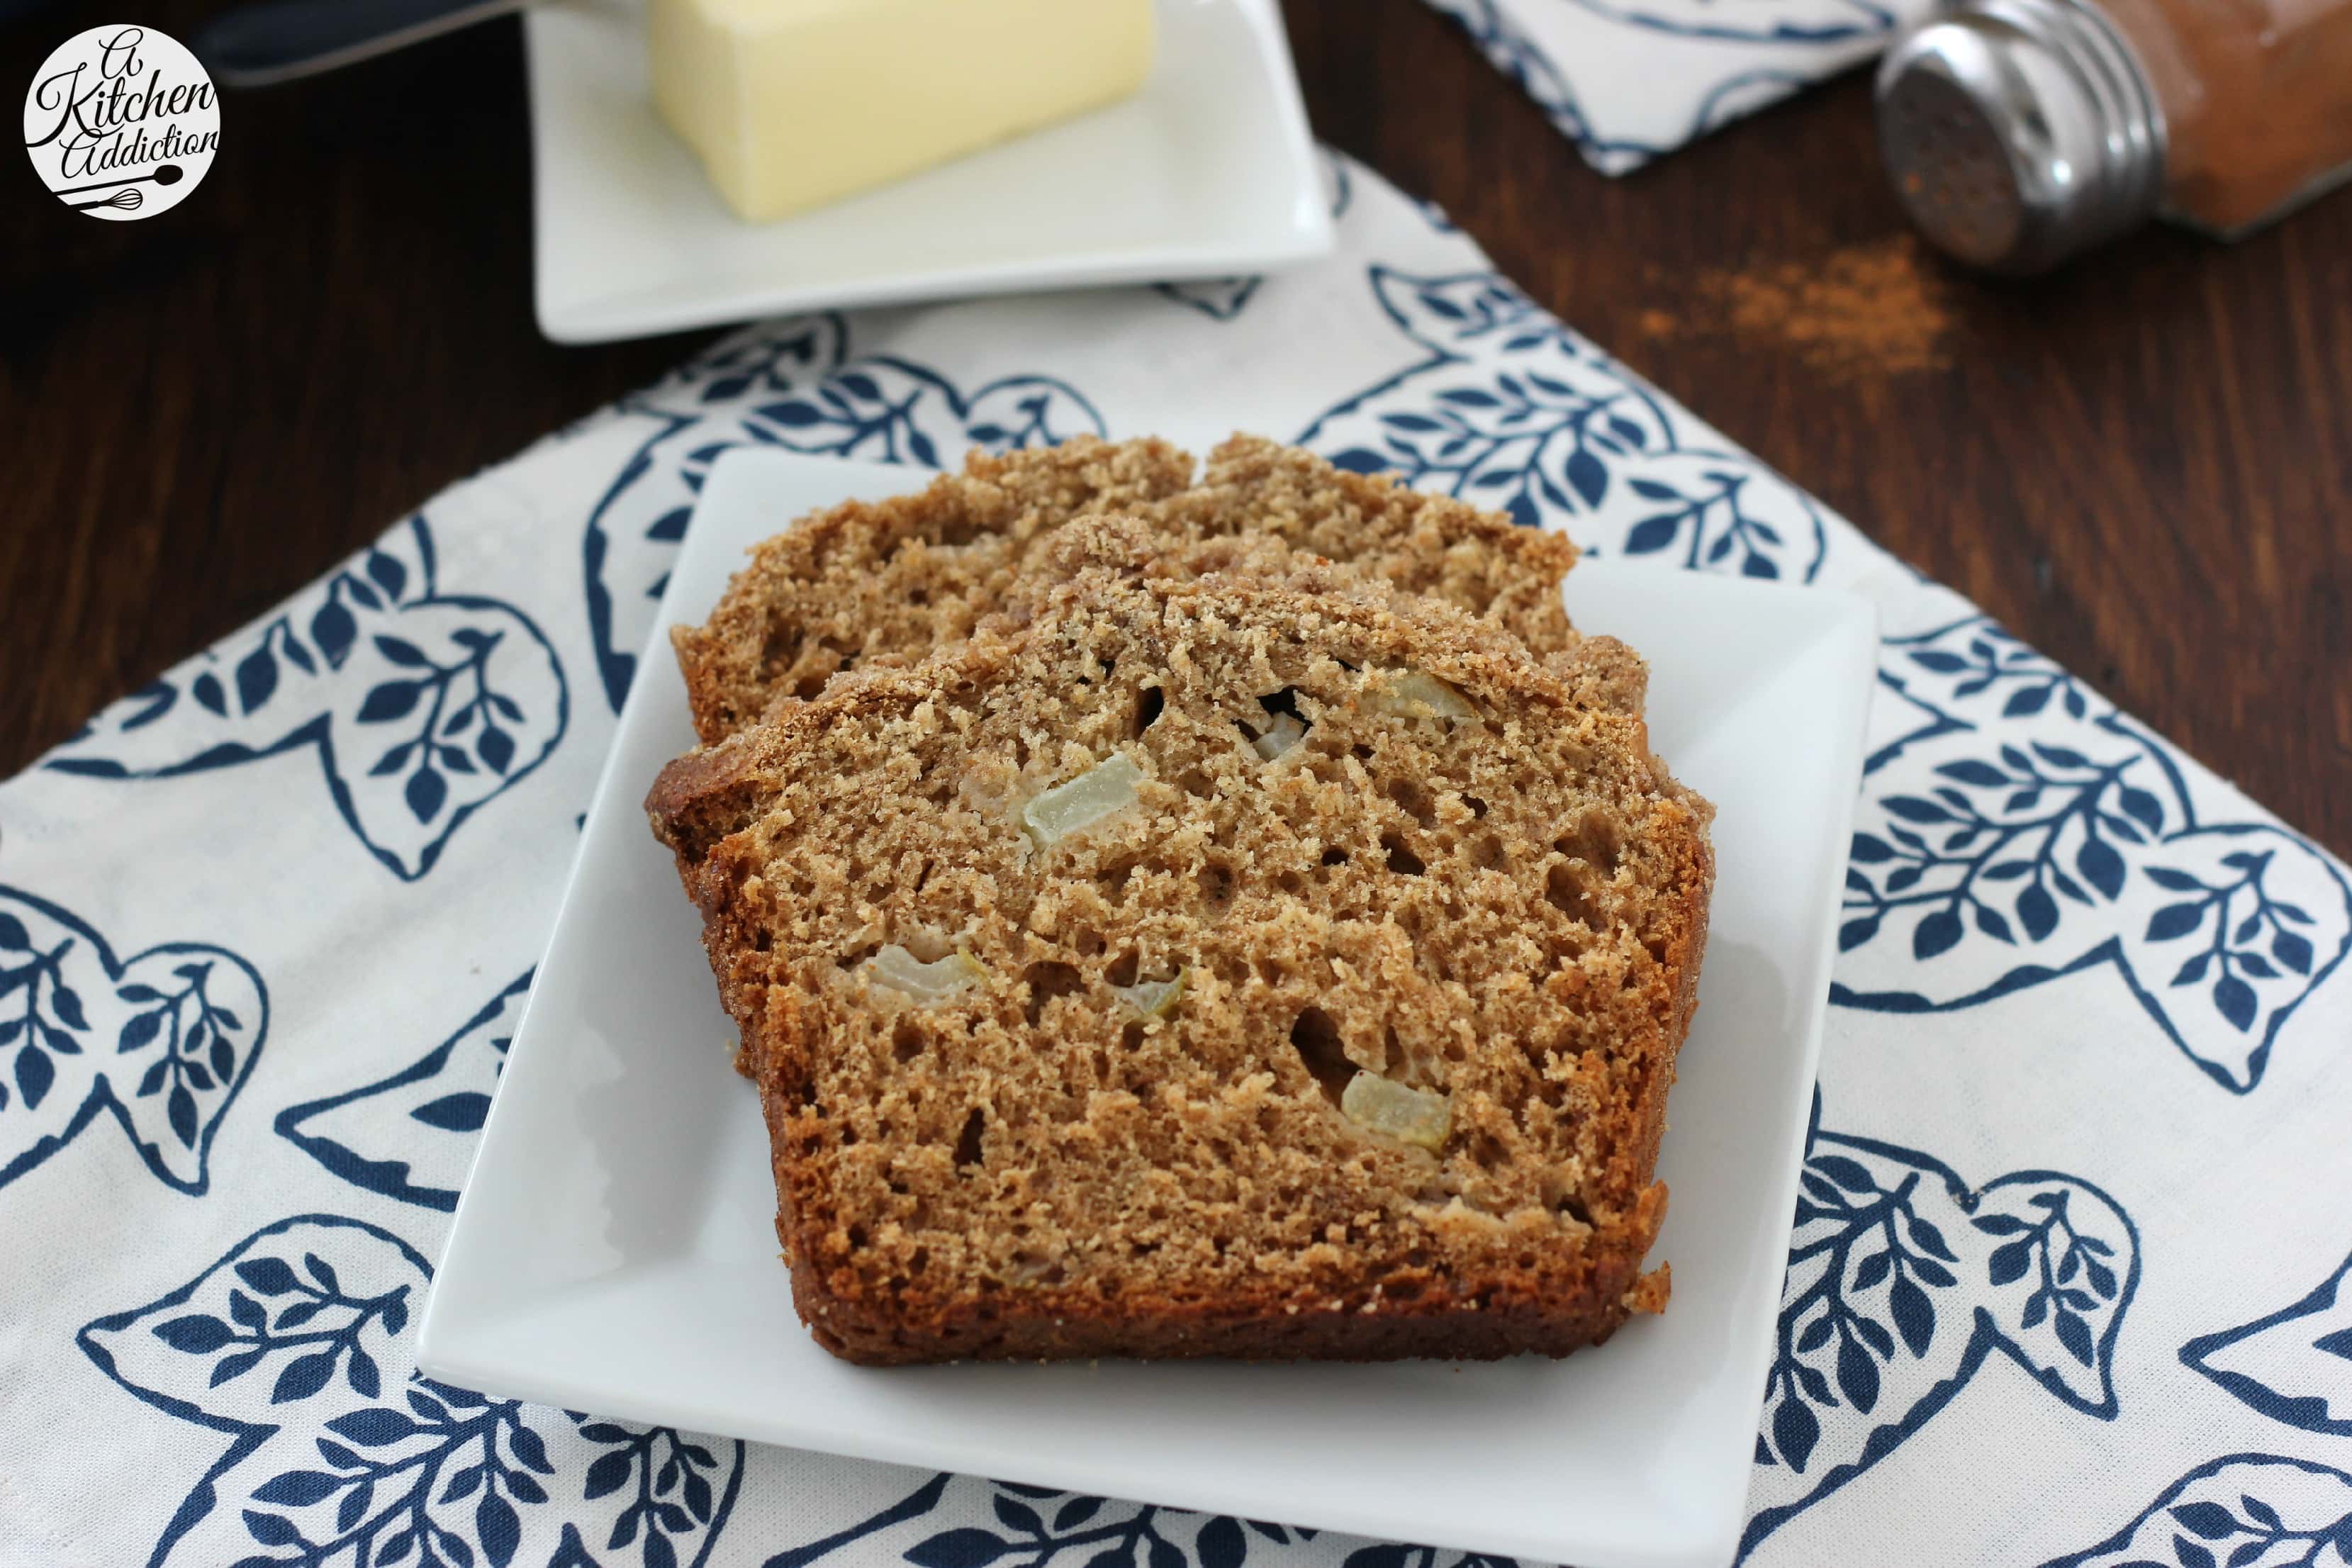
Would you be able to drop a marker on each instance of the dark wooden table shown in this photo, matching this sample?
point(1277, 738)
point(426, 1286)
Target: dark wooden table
point(2144, 464)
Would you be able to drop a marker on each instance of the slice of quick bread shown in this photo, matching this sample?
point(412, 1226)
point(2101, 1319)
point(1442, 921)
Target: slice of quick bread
point(890, 581)
point(1201, 967)
point(708, 793)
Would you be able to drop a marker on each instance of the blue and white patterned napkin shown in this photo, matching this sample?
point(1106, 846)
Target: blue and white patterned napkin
point(2065, 1280)
point(1627, 80)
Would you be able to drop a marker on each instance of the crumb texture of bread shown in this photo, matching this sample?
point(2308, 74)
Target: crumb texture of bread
point(1063, 960)
point(872, 585)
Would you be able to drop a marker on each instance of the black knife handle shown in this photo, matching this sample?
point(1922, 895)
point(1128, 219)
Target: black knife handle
point(278, 40)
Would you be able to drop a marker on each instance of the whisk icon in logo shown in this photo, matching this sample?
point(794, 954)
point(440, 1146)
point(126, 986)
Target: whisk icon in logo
point(121, 122)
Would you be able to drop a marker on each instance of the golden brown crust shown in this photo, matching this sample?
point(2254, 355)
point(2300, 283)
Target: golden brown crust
point(1017, 1172)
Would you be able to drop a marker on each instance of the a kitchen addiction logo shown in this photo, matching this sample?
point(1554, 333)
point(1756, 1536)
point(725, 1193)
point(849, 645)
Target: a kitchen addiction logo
point(121, 122)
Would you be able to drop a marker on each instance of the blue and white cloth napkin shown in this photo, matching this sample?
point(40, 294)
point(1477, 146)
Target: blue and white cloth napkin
point(2068, 1279)
point(1627, 80)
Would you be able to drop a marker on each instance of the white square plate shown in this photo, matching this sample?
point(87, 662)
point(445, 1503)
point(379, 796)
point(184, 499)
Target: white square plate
point(1208, 171)
point(614, 1252)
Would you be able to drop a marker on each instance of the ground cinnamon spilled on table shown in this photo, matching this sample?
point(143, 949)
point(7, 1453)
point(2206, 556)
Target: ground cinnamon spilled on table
point(1881, 307)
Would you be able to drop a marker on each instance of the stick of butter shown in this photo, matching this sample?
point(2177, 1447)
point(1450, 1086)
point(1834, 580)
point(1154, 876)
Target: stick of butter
point(790, 103)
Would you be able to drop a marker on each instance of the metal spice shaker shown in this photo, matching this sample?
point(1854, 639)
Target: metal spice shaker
point(2020, 132)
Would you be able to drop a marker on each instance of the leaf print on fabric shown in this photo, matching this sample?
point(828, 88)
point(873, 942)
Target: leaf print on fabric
point(162, 1040)
point(1514, 412)
point(296, 1344)
point(2014, 828)
point(423, 706)
point(2248, 1510)
point(794, 384)
point(2294, 1365)
point(1219, 299)
point(1527, 67)
point(1704, 52)
point(1902, 1281)
point(1751, 21)
point(954, 1521)
point(411, 1136)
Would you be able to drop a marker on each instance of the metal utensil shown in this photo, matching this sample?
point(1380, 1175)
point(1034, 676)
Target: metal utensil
point(278, 40)
point(161, 174)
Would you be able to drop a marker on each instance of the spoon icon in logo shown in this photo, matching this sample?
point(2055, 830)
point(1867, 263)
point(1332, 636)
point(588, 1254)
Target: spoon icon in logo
point(163, 175)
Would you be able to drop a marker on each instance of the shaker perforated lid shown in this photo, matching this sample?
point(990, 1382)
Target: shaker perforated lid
point(2019, 133)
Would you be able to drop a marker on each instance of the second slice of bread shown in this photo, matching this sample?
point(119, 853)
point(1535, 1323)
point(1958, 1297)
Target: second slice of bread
point(890, 581)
